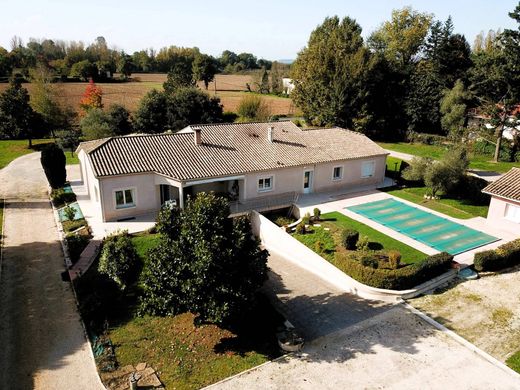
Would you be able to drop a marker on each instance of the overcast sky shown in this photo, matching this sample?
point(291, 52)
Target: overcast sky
point(272, 29)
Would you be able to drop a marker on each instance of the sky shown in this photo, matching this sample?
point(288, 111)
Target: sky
point(271, 29)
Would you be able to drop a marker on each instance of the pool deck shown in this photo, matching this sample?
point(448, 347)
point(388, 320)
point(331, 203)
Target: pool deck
point(338, 202)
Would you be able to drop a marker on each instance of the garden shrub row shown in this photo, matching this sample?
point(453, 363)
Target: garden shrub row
point(61, 198)
point(402, 278)
point(505, 256)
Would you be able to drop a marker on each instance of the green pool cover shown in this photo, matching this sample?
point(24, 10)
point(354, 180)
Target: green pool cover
point(436, 232)
point(75, 206)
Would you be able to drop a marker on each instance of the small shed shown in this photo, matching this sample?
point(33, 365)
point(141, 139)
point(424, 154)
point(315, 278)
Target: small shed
point(504, 209)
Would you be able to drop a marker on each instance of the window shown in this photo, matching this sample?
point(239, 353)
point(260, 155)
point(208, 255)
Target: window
point(513, 213)
point(337, 173)
point(368, 169)
point(125, 198)
point(265, 184)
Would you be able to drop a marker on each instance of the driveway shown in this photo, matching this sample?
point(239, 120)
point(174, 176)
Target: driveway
point(43, 343)
point(359, 344)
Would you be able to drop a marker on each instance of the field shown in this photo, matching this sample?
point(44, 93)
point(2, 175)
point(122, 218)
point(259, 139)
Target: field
point(229, 88)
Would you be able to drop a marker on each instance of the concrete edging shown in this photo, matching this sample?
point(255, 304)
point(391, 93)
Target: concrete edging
point(461, 340)
point(2, 237)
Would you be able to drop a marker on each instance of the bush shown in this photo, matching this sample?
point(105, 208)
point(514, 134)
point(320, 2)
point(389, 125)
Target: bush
point(169, 221)
point(369, 261)
point(53, 163)
point(119, 260)
point(317, 214)
point(253, 108)
point(318, 247)
point(306, 219)
point(402, 278)
point(283, 221)
point(470, 188)
point(425, 138)
point(76, 243)
point(363, 243)
point(60, 198)
point(507, 255)
point(70, 226)
point(394, 259)
point(300, 228)
point(349, 238)
point(69, 212)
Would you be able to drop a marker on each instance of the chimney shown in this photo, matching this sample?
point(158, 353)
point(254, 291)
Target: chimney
point(198, 139)
point(270, 131)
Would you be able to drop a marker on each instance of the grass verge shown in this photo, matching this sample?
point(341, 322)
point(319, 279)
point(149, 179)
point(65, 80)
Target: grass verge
point(456, 208)
point(331, 239)
point(514, 362)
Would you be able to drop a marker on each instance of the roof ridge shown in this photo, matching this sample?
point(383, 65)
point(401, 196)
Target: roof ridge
point(239, 123)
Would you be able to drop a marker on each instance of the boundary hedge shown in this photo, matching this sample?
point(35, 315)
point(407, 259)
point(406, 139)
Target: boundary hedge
point(505, 256)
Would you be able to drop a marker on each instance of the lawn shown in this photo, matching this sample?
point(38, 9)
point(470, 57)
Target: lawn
point(477, 161)
point(331, 239)
point(514, 362)
point(143, 242)
point(455, 208)
point(12, 149)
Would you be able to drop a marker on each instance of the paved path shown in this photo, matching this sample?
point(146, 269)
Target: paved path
point(359, 344)
point(42, 340)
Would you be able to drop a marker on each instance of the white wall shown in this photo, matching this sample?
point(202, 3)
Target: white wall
point(497, 211)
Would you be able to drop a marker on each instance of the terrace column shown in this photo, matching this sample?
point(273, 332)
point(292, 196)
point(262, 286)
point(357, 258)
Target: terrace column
point(181, 196)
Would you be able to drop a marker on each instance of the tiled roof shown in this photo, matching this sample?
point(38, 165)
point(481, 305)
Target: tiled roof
point(227, 149)
point(508, 186)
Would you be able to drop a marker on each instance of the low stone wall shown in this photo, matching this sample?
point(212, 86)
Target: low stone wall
point(275, 239)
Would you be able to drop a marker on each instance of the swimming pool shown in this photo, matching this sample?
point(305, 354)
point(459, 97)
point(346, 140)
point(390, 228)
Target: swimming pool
point(436, 232)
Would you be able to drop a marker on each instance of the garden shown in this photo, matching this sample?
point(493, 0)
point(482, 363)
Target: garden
point(181, 298)
point(366, 254)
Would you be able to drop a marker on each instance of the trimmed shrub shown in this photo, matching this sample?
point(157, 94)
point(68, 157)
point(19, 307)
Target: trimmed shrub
point(53, 162)
point(507, 255)
point(76, 243)
point(401, 278)
point(70, 226)
point(119, 260)
point(363, 244)
point(369, 261)
point(306, 219)
point(394, 259)
point(300, 228)
point(317, 214)
point(69, 212)
point(349, 238)
point(60, 198)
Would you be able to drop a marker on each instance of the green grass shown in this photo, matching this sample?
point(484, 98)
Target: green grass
point(477, 161)
point(455, 208)
point(143, 242)
point(12, 149)
point(391, 164)
point(337, 222)
point(514, 361)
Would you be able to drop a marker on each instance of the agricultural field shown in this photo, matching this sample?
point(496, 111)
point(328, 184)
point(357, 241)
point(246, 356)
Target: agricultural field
point(229, 88)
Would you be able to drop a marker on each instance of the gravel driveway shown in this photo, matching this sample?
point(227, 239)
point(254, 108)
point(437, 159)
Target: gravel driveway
point(42, 340)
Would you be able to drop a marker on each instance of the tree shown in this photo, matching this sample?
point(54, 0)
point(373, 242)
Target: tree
point(125, 65)
point(152, 114)
point(119, 120)
point(329, 74)
point(204, 69)
point(119, 260)
point(16, 114)
point(213, 268)
point(84, 70)
point(53, 162)
point(179, 76)
point(453, 109)
point(5, 63)
point(92, 98)
point(253, 108)
point(417, 169)
point(262, 81)
point(191, 105)
point(276, 78)
point(401, 38)
point(96, 124)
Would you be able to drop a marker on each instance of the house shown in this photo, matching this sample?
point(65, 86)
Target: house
point(248, 162)
point(504, 209)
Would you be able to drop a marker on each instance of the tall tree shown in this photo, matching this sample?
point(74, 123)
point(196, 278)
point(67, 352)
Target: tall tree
point(329, 73)
point(92, 98)
point(152, 114)
point(204, 69)
point(179, 76)
point(16, 114)
point(454, 109)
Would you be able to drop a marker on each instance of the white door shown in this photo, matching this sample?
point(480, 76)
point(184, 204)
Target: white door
point(307, 181)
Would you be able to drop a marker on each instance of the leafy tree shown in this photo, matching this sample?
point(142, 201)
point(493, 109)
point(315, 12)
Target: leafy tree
point(276, 78)
point(119, 120)
point(68, 139)
point(253, 108)
point(179, 76)
point(85, 70)
point(119, 259)
point(213, 268)
point(125, 65)
point(204, 69)
point(330, 73)
point(152, 113)
point(191, 105)
point(16, 114)
point(92, 97)
point(401, 38)
point(96, 124)
point(53, 162)
point(417, 169)
point(5, 63)
point(454, 109)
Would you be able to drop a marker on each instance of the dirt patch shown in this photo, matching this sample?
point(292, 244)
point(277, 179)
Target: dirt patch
point(484, 311)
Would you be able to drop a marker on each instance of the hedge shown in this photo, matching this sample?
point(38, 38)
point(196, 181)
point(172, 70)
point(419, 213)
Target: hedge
point(402, 278)
point(505, 256)
point(61, 198)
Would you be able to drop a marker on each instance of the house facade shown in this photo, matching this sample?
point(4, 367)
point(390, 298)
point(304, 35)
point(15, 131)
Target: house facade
point(249, 162)
point(504, 208)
